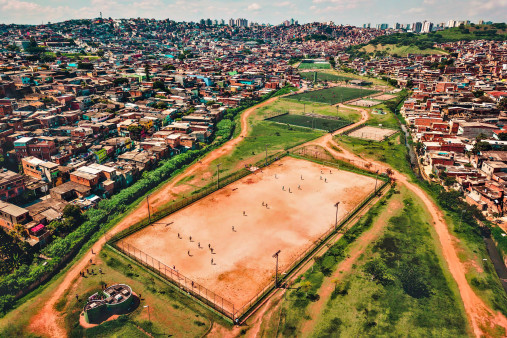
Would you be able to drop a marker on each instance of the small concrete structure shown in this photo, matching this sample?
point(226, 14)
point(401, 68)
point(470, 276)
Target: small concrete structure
point(116, 299)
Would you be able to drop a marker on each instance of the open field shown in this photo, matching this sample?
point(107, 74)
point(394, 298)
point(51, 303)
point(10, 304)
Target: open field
point(310, 122)
point(401, 50)
point(242, 260)
point(333, 95)
point(322, 76)
point(397, 286)
point(372, 133)
point(284, 105)
point(314, 65)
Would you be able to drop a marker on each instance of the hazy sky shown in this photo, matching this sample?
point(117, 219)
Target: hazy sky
point(354, 12)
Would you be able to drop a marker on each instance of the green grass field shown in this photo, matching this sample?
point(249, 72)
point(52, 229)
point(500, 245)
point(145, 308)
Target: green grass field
point(310, 122)
point(284, 105)
point(312, 65)
point(403, 51)
point(399, 286)
point(321, 76)
point(333, 95)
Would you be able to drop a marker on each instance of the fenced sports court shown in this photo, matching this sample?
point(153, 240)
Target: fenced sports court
point(372, 133)
point(298, 213)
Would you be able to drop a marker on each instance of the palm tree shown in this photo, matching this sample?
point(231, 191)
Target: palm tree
point(389, 172)
point(18, 231)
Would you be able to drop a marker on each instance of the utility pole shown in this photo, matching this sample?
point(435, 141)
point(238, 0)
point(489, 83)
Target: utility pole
point(266, 164)
point(336, 220)
point(218, 175)
point(276, 268)
point(376, 176)
point(149, 212)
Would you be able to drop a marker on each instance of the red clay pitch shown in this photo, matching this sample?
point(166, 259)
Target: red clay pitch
point(243, 262)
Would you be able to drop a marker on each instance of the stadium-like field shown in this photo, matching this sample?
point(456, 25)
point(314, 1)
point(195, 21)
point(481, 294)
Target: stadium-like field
point(324, 77)
point(310, 122)
point(314, 65)
point(284, 208)
point(333, 95)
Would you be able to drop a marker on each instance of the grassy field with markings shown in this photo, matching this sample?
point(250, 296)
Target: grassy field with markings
point(333, 95)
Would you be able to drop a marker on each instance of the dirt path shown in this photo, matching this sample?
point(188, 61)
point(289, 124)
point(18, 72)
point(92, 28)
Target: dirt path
point(345, 266)
point(479, 314)
point(47, 321)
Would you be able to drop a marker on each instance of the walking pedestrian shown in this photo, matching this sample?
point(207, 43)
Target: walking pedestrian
point(233, 228)
point(301, 177)
point(244, 213)
point(209, 246)
point(188, 252)
point(199, 245)
point(299, 187)
point(325, 180)
point(100, 271)
point(77, 297)
point(212, 261)
point(283, 187)
point(190, 238)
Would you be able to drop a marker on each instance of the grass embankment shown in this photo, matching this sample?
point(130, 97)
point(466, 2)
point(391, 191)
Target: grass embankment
point(306, 287)
point(400, 285)
point(171, 312)
point(403, 51)
point(333, 95)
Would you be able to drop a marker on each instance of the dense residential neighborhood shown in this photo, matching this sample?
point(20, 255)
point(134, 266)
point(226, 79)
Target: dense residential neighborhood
point(456, 115)
point(121, 134)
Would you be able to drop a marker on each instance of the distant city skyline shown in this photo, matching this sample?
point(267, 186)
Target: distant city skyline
point(354, 12)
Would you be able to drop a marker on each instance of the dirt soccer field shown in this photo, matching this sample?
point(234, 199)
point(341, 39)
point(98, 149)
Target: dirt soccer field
point(242, 260)
point(373, 133)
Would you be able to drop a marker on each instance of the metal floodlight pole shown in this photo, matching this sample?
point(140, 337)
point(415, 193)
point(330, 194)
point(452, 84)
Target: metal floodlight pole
point(276, 267)
point(149, 317)
point(149, 212)
point(336, 220)
point(218, 175)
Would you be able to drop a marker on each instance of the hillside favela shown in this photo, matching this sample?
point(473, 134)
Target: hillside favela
point(303, 168)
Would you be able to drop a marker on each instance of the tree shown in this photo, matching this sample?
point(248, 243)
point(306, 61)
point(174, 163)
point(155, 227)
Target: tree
point(147, 69)
point(502, 105)
point(85, 65)
point(135, 131)
point(73, 211)
point(379, 271)
point(119, 81)
point(169, 67)
point(305, 287)
point(19, 231)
